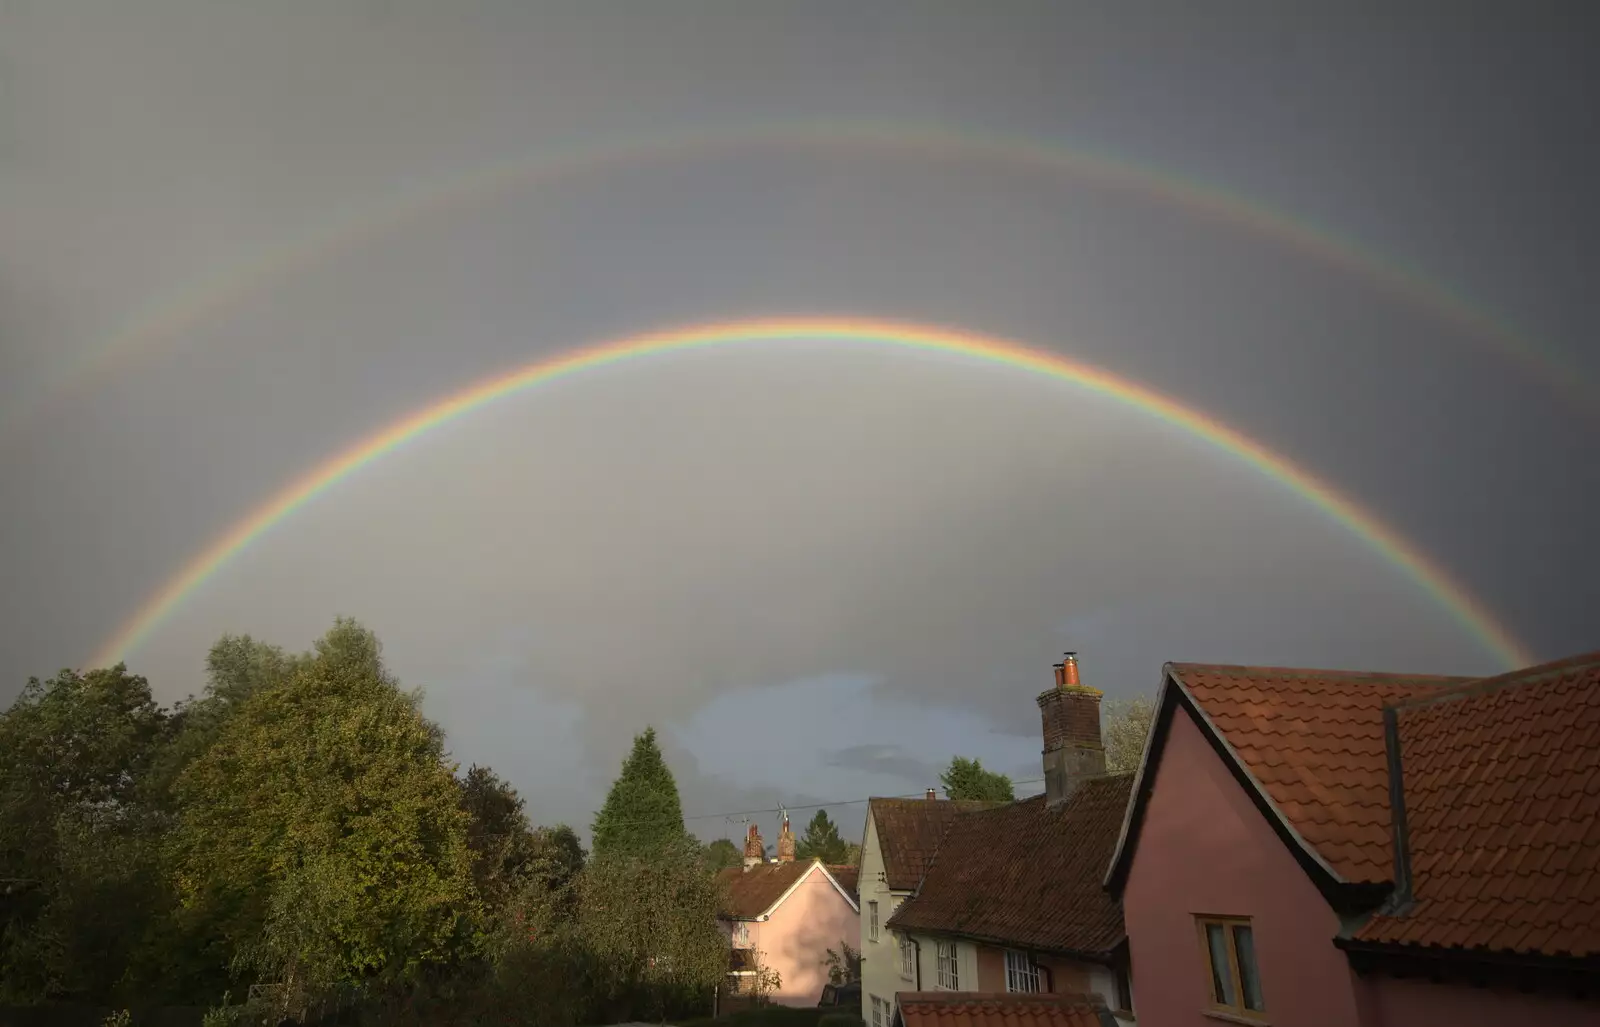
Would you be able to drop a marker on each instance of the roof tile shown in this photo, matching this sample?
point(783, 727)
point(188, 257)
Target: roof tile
point(975, 1009)
point(1480, 781)
point(750, 893)
point(1313, 740)
point(909, 831)
point(1026, 875)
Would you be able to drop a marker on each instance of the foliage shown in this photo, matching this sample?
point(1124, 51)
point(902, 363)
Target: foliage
point(498, 835)
point(721, 854)
point(844, 964)
point(966, 779)
point(322, 831)
point(651, 927)
point(840, 1020)
point(1127, 726)
point(765, 1016)
point(120, 1018)
point(852, 854)
point(642, 816)
point(82, 885)
point(822, 841)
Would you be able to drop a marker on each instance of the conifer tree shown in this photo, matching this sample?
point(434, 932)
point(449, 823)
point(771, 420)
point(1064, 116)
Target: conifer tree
point(642, 816)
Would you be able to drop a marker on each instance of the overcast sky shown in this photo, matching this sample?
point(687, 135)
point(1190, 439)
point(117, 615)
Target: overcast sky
point(820, 570)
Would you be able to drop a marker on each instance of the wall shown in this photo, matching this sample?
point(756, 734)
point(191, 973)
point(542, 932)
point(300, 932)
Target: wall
point(1066, 976)
point(1205, 848)
point(1401, 1003)
point(795, 941)
point(880, 961)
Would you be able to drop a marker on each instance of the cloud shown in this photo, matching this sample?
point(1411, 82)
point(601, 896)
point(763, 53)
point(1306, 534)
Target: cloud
point(883, 760)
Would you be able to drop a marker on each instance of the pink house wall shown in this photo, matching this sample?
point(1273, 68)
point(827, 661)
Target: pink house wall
point(812, 920)
point(1401, 1003)
point(1204, 848)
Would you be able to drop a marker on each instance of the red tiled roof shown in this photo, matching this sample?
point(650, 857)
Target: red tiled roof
point(1028, 876)
point(980, 1009)
point(909, 831)
point(1502, 815)
point(1313, 742)
point(848, 878)
point(750, 893)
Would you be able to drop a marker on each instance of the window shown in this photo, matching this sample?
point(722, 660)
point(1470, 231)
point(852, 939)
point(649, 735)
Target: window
point(878, 1019)
point(949, 972)
point(1022, 975)
point(872, 921)
point(1230, 949)
point(908, 959)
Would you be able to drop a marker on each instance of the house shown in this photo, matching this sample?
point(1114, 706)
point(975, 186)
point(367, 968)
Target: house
point(783, 916)
point(1013, 901)
point(1005, 1009)
point(897, 845)
point(1370, 850)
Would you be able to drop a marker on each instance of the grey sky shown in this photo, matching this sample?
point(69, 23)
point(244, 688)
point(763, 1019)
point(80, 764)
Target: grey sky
point(867, 560)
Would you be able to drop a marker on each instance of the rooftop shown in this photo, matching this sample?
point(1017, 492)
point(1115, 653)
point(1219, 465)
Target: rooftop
point(909, 831)
point(1026, 875)
point(979, 1009)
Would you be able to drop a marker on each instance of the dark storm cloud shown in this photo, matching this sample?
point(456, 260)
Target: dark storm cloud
point(890, 760)
point(647, 543)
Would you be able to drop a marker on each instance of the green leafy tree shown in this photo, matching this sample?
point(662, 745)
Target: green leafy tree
point(558, 856)
point(721, 854)
point(1127, 725)
point(650, 927)
point(642, 815)
point(498, 834)
point(80, 883)
point(323, 832)
point(822, 841)
point(966, 779)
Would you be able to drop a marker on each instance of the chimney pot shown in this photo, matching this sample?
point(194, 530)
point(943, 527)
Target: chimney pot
point(785, 842)
point(932, 795)
point(1074, 750)
point(755, 853)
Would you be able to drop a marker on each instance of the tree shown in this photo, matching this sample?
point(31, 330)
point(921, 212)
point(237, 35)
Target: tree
point(822, 841)
point(843, 963)
point(642, 815)
point(720, 854)
point(966, 779)
point(558, 856)
point(502, 844)
point(323, 831)
point(82, 887)
point(650, 927)
point(1127, 725)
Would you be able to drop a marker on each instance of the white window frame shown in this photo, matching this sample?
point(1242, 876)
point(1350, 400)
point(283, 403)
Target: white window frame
point(877, 1012)
point(1022, 974)
point(949, 963)
point(872, 920)
point(908, 959)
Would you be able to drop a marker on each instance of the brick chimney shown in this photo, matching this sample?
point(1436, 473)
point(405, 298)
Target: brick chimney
point(785, 842)
point(755, 853)
point(1073, 749)
point(932, 795)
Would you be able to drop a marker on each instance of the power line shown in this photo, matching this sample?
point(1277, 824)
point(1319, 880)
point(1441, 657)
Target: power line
point(815, 805)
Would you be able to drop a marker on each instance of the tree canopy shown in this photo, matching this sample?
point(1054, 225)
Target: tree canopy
point(967, 779)
point(642, 815)
point(822, 841)
point(1126, 726)
point(298, 834)
point(323, 831)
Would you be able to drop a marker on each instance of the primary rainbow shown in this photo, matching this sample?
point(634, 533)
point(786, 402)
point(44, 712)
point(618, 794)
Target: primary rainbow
point(169, 319)
point(1432, 578)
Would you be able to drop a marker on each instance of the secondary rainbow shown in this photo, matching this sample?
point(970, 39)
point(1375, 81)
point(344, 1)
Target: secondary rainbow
point(165, 322)
point(1433, 579)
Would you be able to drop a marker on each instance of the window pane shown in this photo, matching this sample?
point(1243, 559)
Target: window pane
point(1221, 978)
point(1244, 945)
